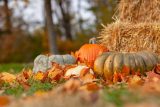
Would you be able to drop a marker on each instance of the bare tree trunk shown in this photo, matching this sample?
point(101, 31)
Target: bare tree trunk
point(8, 25)
point(66, 20)
point(50, 27)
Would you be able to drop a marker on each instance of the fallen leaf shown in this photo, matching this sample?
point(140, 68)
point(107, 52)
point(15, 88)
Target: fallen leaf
point(74, 71)
point(7, 77)
point(135, 81)
point(39, 93)
point(38, 76)
point(27, 73)
point(22, 80)
point(71, 85)
point(67, 67)
point(90, 87)
point(125, 70)
point(56, 66)
point(151, 86)
point(157, 69)
point(55, 75)
point(152, 76)
point(89, 97)
point(78, 71)
point(116, 77)
point(88, 78)
point(84, 71)
point(4, 100)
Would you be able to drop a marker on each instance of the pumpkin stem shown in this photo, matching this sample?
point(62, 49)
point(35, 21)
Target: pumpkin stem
point(92, 40)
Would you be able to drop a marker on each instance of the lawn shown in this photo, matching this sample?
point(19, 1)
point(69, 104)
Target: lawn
point(14, 67)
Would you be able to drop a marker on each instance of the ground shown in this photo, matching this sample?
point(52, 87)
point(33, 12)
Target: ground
point(53, 90)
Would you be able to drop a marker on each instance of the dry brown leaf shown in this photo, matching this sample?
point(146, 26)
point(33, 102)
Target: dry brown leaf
point(125, 70)
point(71, 85)
point(90, 87)
point(157, 69)
point(74, 71)
point(27, 73)
point(116, 77)
point(84, 71)
point(67, 67)
point(55, 75)
point(7, 77)
point(22, 79)
point(151, 84)
point(88, 78)
point(135, 81)
point(56, 66)
point(45, 77)
point(78, 72)
point(153, 77)
point(89, 97)
point(4, 100)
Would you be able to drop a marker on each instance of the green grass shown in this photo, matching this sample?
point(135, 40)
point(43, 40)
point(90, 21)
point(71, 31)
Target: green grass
point(13, 67)
point(119, 95)
point(17, 89)
point(38, 86)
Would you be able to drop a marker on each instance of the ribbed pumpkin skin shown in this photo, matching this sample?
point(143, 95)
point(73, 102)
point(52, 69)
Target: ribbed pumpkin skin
point(62, 59)
point(89, 52)
point(110, 62)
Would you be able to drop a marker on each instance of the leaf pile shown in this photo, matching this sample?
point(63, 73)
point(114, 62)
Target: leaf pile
point(78, 79)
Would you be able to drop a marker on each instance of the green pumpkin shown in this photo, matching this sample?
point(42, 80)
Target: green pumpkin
point(110, 62)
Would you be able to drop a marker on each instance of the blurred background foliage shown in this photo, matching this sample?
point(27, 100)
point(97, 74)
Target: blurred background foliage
point(23, 26)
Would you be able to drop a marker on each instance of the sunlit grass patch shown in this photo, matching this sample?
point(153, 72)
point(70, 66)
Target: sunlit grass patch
point(14, 67)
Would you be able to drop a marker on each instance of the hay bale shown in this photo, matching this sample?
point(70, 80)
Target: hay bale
point(125, 36)
point(139, 10)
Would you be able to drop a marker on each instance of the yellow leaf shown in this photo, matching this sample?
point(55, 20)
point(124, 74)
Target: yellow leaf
point(39, 93)
point(38, 76)
point(7, 77)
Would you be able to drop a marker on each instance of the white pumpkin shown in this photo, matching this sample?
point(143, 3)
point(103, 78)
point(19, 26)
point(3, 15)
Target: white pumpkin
point(43, 63)
point(62, 59)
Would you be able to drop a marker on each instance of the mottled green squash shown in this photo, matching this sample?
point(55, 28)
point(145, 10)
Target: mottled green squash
point(108, 66)
point(99, 65)
point(110, 62)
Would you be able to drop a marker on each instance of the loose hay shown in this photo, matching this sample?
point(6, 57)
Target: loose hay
point(125, 36)
point(139, 10)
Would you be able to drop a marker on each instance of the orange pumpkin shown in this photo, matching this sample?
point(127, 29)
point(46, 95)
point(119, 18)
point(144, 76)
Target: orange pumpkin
point(89, 52)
